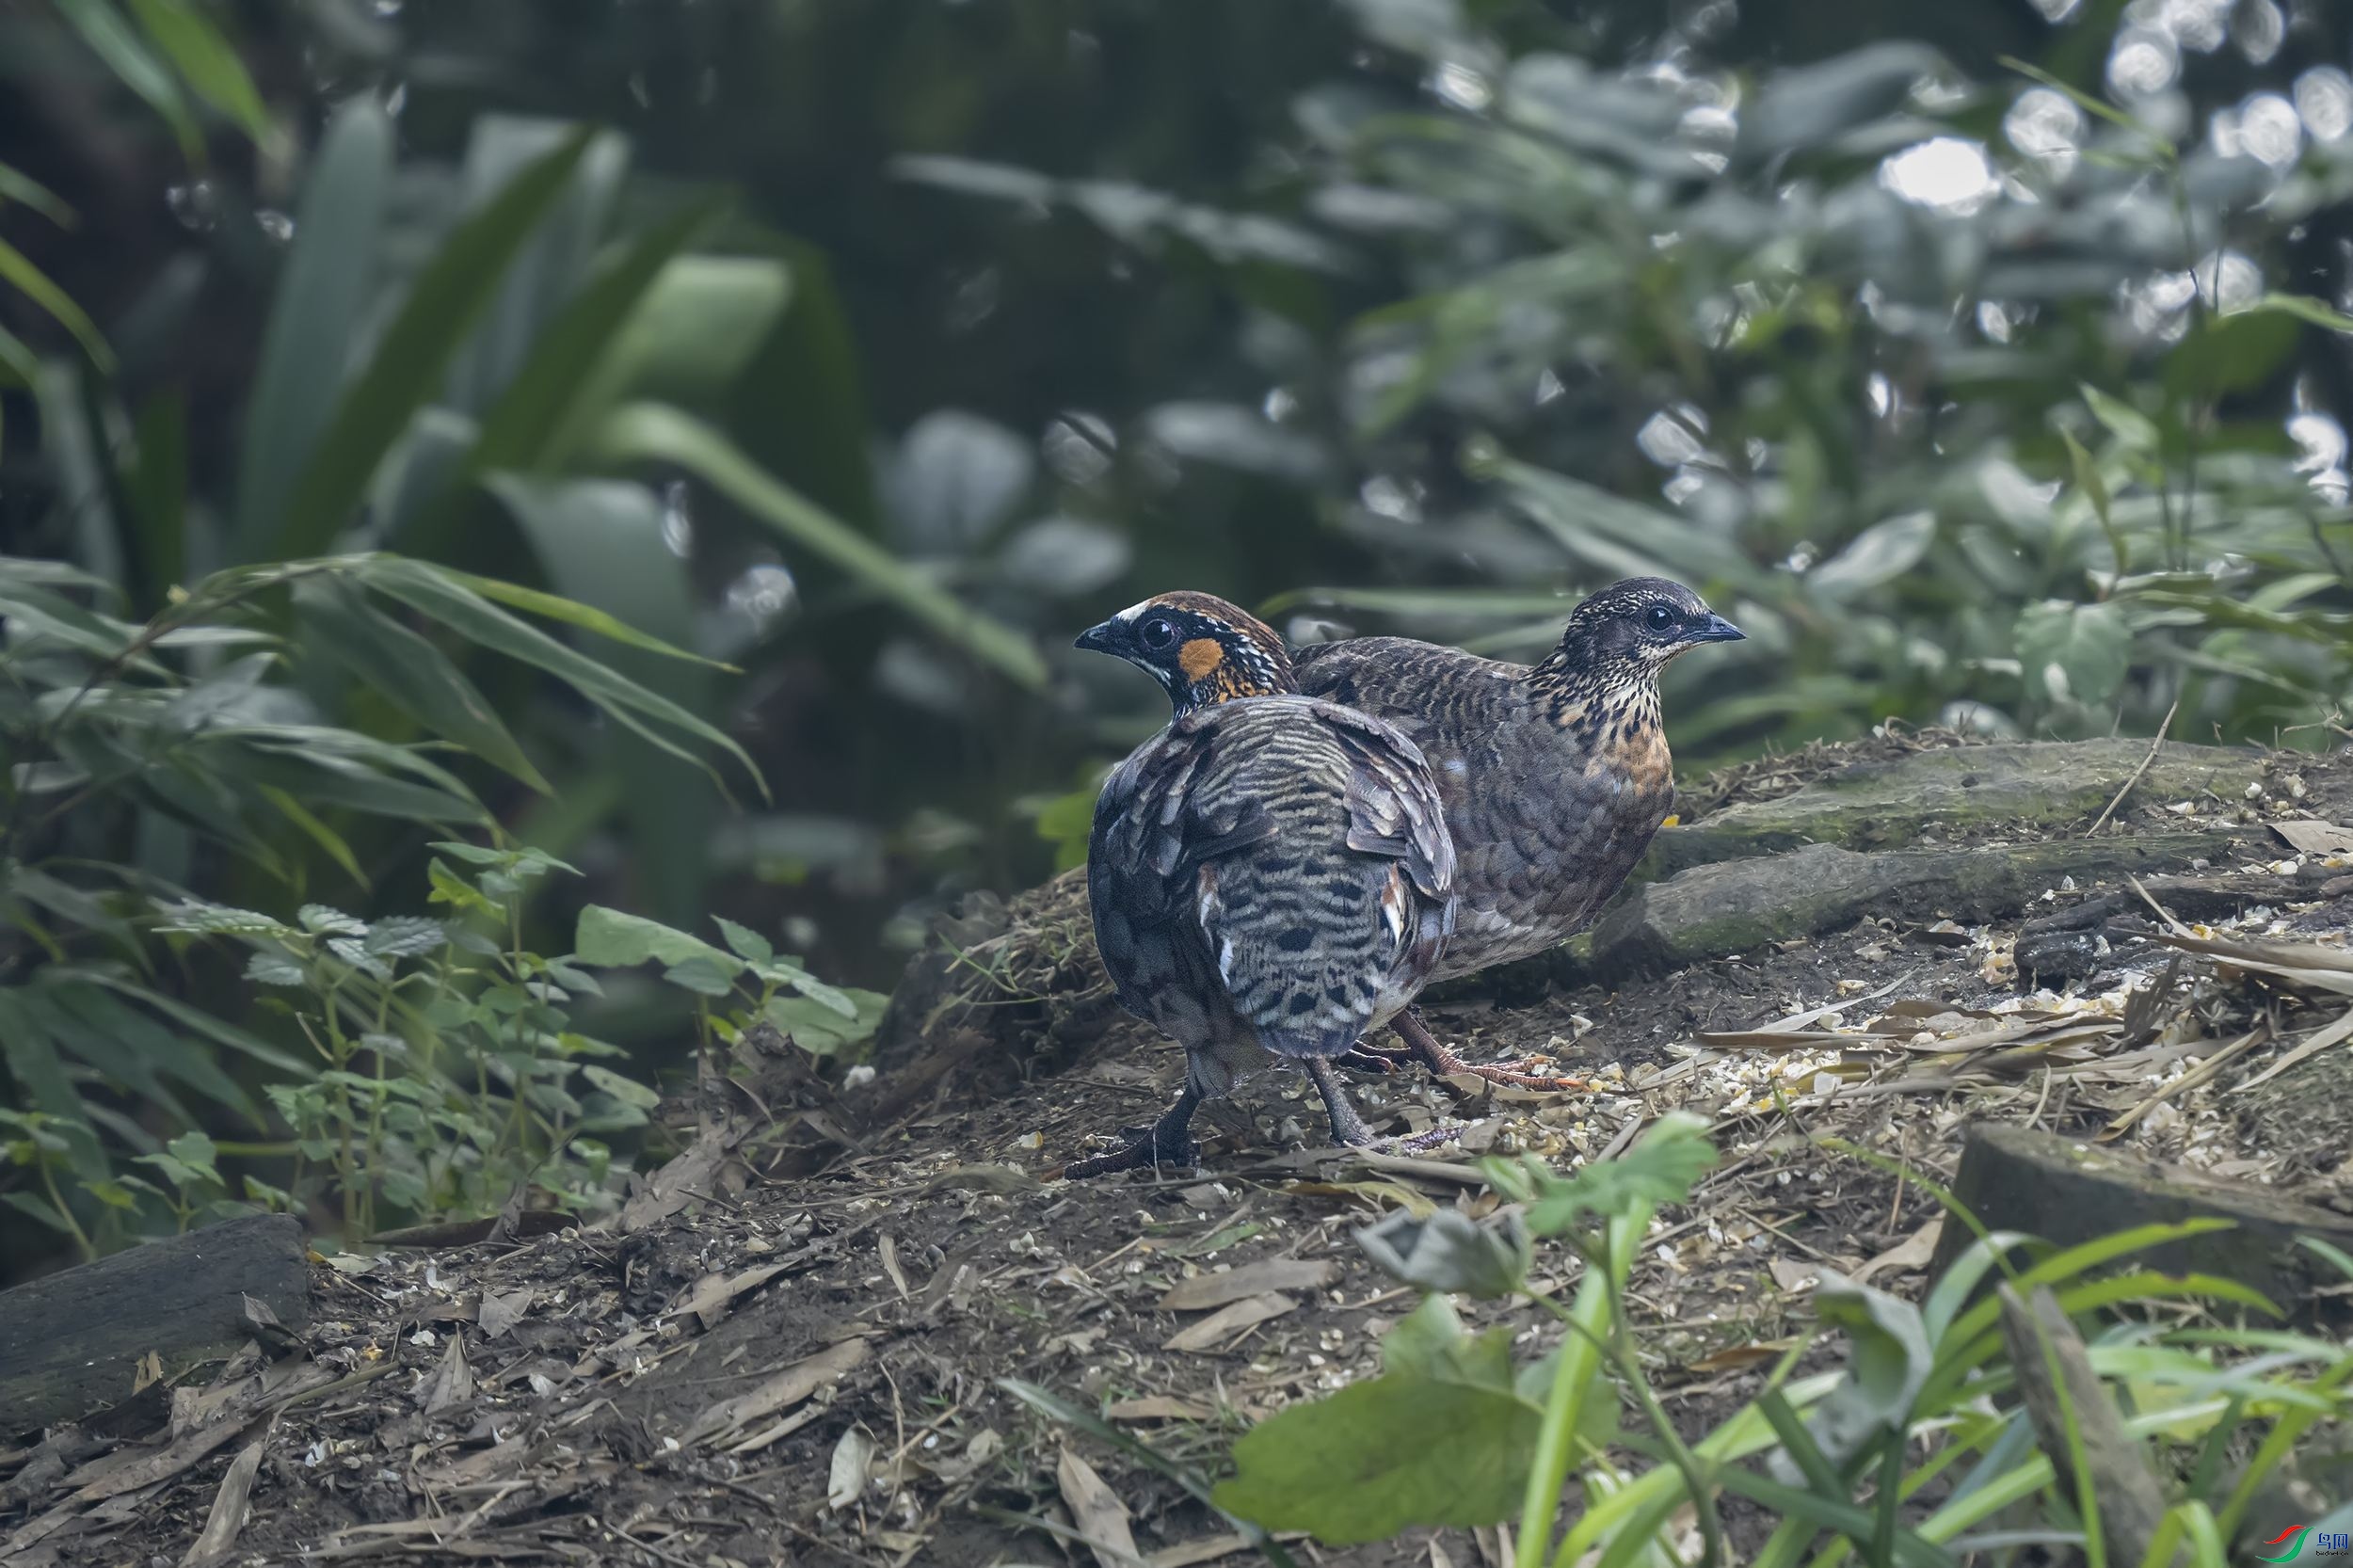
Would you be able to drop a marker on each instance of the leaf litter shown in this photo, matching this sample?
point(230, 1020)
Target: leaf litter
point(790, 1346)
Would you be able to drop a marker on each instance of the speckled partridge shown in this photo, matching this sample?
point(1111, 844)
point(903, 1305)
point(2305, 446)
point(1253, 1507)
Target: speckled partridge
point(1269, 875)
point(1555, 776)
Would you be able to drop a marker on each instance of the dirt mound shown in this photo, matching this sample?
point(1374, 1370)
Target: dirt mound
point(789, 1348)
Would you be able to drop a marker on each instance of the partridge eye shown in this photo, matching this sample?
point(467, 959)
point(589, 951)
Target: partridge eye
point(1660, 619)
point(1158, 633)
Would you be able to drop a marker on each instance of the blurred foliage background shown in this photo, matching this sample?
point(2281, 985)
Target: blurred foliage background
point(1985, 361)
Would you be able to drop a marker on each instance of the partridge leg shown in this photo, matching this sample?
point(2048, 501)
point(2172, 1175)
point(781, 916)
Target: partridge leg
point(1166, 1142)
point(1347, 1127)
point(1424, 1047)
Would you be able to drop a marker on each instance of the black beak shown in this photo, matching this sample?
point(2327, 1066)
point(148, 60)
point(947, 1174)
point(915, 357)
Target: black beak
point(1715, 628)
point(1102, 637)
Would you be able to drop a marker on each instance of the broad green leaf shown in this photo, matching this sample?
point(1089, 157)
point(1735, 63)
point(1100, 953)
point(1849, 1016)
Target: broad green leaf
point(546, 271)
point(313, 320)
point(627, 1090)
point(1448, 1250)
point(601, 543)
point(205, 61)
point(822, 1030)
point(702, 976)
point(273, 969)
point(747, 943)
point(1383, 1456)
point(410, 673)
point(111, 37)
point(1890, 1358)
point(1430, 1343)
point(1877, 555)
point(551, 399)
point(414, 353)
point(2074, 652)
point(646, 432)
point(612, 938)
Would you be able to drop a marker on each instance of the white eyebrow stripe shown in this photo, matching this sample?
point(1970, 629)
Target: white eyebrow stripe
point(1132, 611)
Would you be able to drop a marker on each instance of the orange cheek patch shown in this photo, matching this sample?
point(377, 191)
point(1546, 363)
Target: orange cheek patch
point(1199, 656)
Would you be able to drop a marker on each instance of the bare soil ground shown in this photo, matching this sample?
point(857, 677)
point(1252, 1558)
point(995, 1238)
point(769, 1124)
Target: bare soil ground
point(786, 1349)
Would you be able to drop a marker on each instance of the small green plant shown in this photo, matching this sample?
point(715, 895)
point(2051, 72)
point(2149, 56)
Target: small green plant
point(748, 980)
point(1897, 1459)
point(447, 1074)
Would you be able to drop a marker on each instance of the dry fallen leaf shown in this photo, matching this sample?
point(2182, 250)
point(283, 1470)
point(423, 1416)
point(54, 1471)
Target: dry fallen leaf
point(846, 1477)
point(1912, 1251)
point(782, 1391)
point(1203, 1291)
point(1100, 1514)
point(451, 1381)
point(1793, 1275)
point(215, 1543)
point(499, 1314)
point(1219, 1327)
point(1157, 1407)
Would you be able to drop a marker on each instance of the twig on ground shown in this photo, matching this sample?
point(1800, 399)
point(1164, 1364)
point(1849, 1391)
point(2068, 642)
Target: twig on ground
point(2155, 745)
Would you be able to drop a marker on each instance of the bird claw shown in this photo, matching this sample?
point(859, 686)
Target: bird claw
point(1143, 1152)
point(1515, 1075)
point(1372, 1059)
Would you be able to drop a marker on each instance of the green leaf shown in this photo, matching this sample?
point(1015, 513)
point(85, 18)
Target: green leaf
point(1877, 555)
point(818, 1028)
point(564, 384)
point(2304, 307)
point(22, 188)
point(410, 673)
point(329, 840)
point(546, 270)
point(1890, 1359)
point(415, 351)
point(35, 285)
point(1430, 1343)
point(646, 432)
point(2128, 425)
point(747, 943)
point(404, 936)
point(701, 975)
point(1619, 535)
point(447, 599)
point(1385, 1455)
point(314, 317)
point(111, 39)
point(324, 919)
point(1447, 1250)
point(600, 542)
point(627, 1090)
point(2074, 652)
point(205, 62)
point(1673, 1153)
point(613, 939)
point(585, 617)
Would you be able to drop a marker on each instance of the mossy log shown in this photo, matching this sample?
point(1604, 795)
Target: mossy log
point(1956, 792)
point(71, 1343)
point(1745, 905)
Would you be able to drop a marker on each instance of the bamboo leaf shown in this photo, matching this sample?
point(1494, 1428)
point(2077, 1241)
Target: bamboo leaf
point(205, 62)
